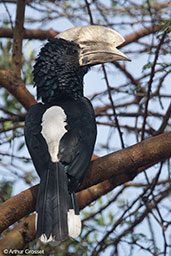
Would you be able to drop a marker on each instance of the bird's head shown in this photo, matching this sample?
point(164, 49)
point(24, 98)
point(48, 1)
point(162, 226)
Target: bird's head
point(64, 60)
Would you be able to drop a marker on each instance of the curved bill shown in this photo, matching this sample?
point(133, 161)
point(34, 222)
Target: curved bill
point(97, 44)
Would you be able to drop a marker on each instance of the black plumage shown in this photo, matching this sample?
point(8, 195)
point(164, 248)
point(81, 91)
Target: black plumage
point(59, 81)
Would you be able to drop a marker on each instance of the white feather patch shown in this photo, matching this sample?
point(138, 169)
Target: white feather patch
point(53, 129)
point(74, 224)
point(51, 240)
point(44, 239)
point(36, 216)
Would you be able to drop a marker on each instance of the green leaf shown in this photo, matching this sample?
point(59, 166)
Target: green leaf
point(110, 216)
point(6, 188)
point(101, 221)
point(147, 66)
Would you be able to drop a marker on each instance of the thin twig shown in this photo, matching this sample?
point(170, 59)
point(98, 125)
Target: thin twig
point(113, 107)
point(89, 12)
point(151, 81)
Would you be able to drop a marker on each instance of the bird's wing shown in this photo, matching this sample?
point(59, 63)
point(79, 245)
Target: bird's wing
point(35, 142)
point(75, 156)
point(76, 146)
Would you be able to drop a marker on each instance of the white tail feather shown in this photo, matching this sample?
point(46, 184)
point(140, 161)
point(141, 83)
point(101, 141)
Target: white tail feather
point(44, 239)
point(36, 216)
point(74, 224)
point(50, 240)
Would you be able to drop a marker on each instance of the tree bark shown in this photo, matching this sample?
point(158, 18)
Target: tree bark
point(16, 87)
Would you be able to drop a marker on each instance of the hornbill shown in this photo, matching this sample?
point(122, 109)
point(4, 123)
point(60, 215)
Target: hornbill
point(60, 132)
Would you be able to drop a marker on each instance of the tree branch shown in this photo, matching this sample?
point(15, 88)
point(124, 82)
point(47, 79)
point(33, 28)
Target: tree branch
point(134, 37)
point(19, 236)
point(127, 161)
point(17, 88)
point(29, 33)
point(165, 121)
point(44, 34)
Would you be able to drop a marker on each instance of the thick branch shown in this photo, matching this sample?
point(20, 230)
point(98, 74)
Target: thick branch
point(29, 33)
point(28, 199)
point(43, 34)
point(112, 170)
point(127, 161)
point(18, 237)
point(16, 87)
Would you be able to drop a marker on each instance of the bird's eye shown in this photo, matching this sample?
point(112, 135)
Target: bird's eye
point(71, 51)
point(74, 51)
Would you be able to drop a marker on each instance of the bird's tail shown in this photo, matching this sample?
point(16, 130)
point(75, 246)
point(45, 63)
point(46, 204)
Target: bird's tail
point(58, 214)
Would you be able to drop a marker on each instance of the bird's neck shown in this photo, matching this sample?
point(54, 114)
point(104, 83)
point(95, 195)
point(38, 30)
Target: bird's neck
point(59, 84)
point(70, 83)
